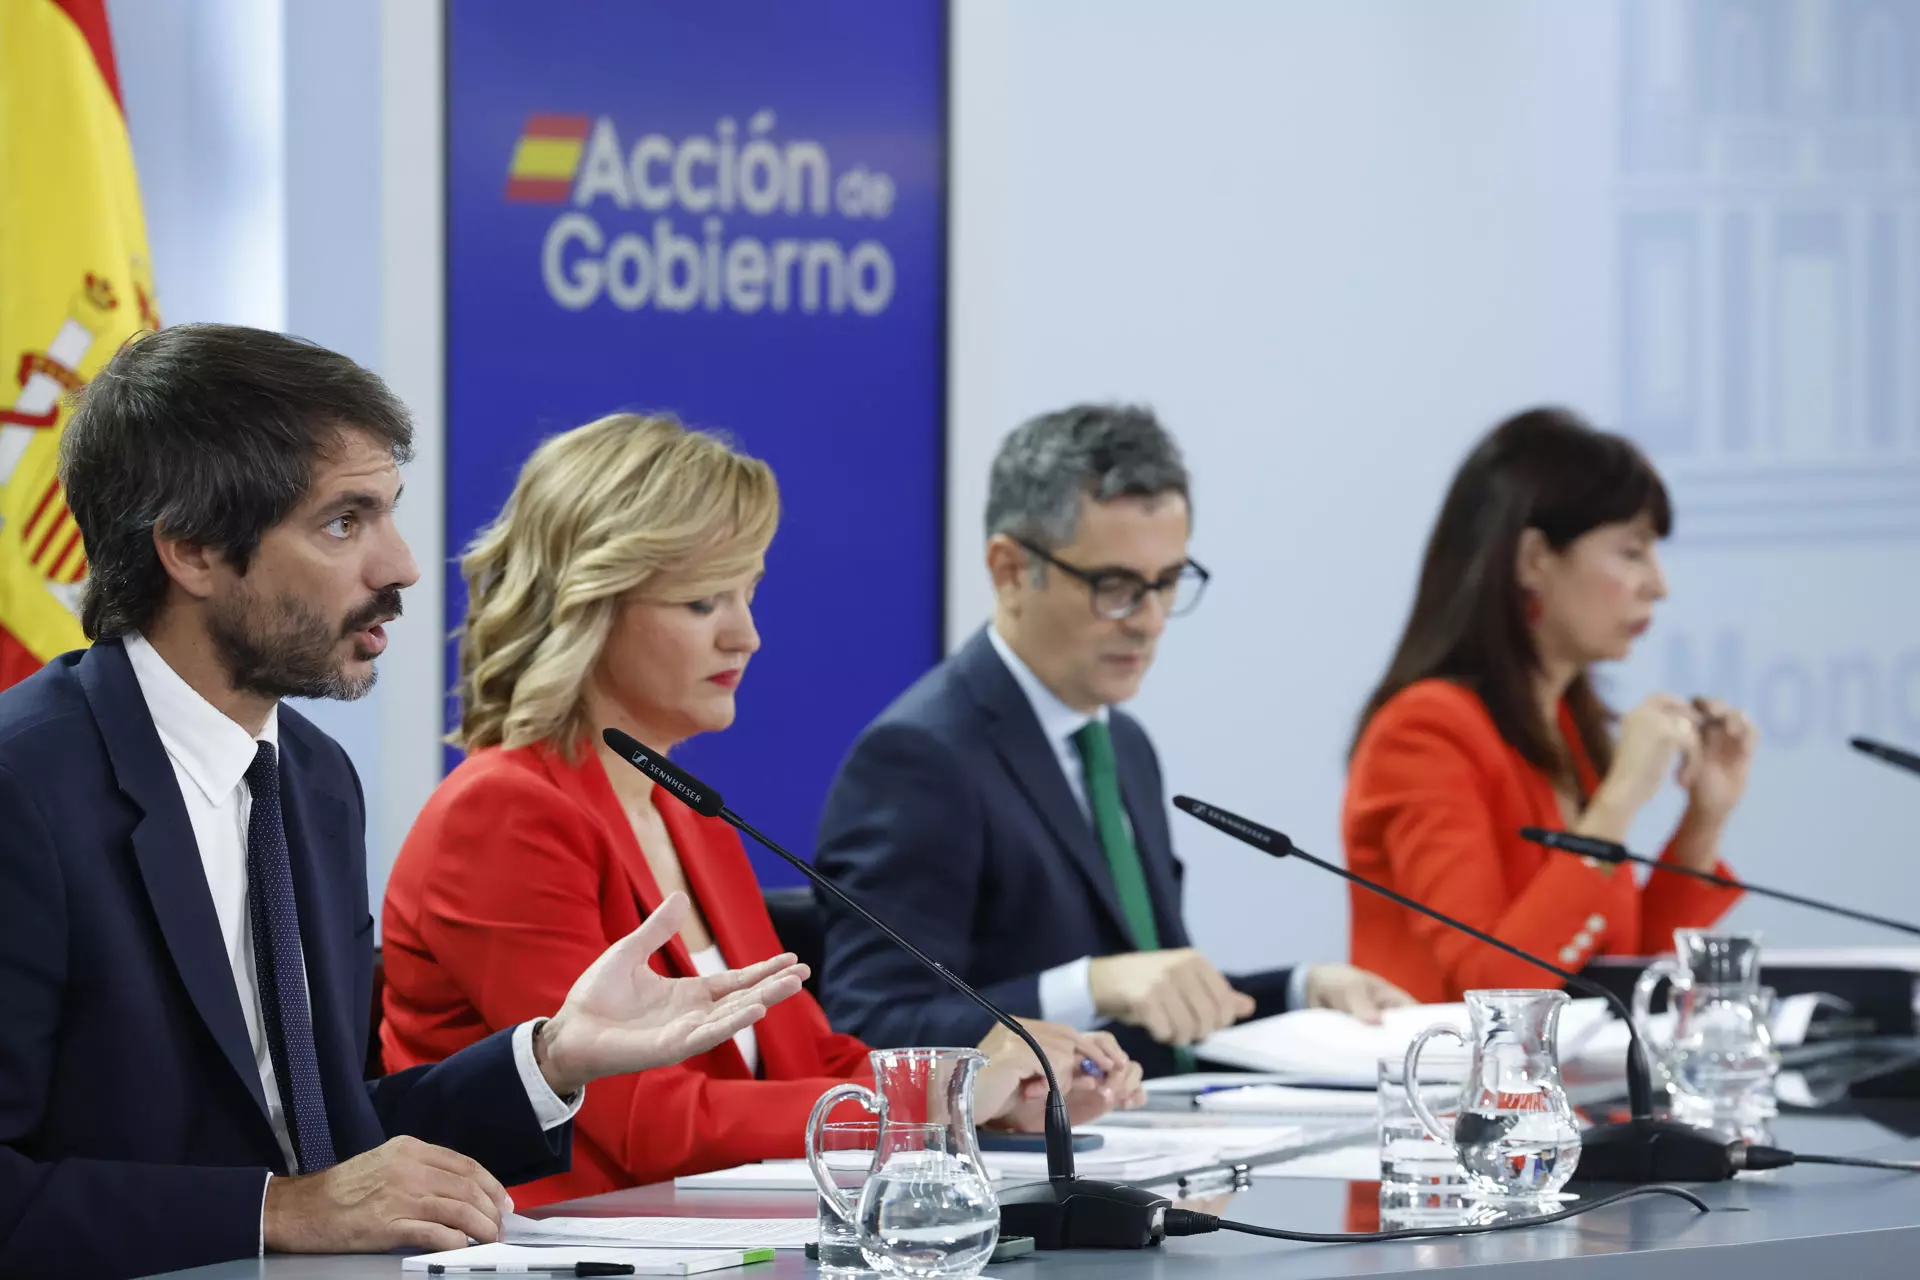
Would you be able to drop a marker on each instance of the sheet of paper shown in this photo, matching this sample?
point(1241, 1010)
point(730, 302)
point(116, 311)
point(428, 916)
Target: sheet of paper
point(1195, 1081)
point(509, 1258)
point(1359, 1162)
point(666, 1233)
point(768, 1175)
point(1133, 1153)
point(1128, 1153)
point(1285, 1101)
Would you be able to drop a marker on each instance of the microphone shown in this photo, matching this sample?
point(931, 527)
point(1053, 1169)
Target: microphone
point(1610, 851)
point(1890, 754)
point(1064, 1212)
point(1638, 1151)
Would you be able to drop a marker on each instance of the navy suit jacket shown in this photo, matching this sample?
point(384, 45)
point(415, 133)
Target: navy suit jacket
point(951, 821)
point(133, 1132)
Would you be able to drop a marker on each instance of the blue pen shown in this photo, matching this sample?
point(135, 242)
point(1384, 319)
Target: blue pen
point(1088, 1067)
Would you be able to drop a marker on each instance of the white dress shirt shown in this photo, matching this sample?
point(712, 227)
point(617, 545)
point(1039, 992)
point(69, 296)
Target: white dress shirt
point(210, 755)
point(1066, 991)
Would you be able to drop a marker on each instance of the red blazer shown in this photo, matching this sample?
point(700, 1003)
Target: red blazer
point(1435, 802)
point(520, 871)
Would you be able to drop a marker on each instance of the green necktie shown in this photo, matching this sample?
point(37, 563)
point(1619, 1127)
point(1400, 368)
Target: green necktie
point(1095, 744)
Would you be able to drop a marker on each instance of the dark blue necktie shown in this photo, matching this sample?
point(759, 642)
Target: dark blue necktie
point(278, 969)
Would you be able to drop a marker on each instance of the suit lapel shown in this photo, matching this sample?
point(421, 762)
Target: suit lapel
point(723, 883)
point(318, 836)
point(1035, 768)
point(169, 856)
point(718, 878)
point(587, 781)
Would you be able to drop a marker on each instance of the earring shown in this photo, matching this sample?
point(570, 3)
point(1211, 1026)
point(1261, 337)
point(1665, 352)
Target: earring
point(1531, 610)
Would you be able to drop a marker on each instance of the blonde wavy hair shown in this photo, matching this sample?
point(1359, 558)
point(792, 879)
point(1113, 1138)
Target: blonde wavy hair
point(621, 505)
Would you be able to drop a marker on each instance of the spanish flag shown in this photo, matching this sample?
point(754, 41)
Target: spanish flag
point(546, 158)
point(74, 285)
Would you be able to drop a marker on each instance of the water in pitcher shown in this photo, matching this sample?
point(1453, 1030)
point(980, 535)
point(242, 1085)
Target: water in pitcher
point(1719, 1064)
point(1518, 1153)
point(925, 1207)
point(1515, 1135)
point(928, 1216)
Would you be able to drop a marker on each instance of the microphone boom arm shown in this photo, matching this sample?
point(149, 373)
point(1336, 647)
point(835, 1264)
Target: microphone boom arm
point(1639, 1090)
point(1064, 1212)
point(1611, 851)
point(1643, 1149)
point(1060, 1147)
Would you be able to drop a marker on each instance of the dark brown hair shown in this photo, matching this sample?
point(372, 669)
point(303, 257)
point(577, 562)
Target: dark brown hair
point(208, 433)
point(1544, 469)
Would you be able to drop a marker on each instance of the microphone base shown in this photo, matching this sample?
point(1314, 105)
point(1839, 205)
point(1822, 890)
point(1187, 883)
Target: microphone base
point(1643, 1151)
point(1084, 1213)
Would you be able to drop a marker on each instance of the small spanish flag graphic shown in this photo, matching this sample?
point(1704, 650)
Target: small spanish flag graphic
point(546, 158)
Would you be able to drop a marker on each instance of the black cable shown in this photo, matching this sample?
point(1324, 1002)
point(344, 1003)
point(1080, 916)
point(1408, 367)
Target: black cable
point(1185, 1222)
point(1757, 1158)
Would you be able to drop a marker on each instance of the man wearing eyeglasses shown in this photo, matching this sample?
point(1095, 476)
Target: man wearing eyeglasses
point(1009, 818)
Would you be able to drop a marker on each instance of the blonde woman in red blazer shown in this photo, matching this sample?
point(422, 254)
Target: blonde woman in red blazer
point(615, 589)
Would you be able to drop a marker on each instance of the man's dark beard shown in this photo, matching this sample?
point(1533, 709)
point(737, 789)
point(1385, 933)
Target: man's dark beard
point(286, 650)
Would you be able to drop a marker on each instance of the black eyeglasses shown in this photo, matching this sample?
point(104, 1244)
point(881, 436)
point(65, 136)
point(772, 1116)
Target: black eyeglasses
point(1119, 593)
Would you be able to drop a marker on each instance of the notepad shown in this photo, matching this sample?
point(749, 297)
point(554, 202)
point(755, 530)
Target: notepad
point(509, 1258)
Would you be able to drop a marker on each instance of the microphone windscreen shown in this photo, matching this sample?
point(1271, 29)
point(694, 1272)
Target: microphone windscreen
point(692, 792)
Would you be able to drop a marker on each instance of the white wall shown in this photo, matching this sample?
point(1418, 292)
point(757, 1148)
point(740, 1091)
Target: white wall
point(289, 163)
point(203, 84)
point(1331, 244)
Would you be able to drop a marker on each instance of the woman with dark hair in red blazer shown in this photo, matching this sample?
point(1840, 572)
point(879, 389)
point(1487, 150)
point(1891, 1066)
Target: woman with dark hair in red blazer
point(1542, 563)
point(615, 589)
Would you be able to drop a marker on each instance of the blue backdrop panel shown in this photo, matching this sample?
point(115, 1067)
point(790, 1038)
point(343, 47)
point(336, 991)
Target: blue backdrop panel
point(732, 210)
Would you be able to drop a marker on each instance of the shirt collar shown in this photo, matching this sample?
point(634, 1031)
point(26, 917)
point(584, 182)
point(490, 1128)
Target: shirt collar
point(1058, 721)
point(207, 746)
